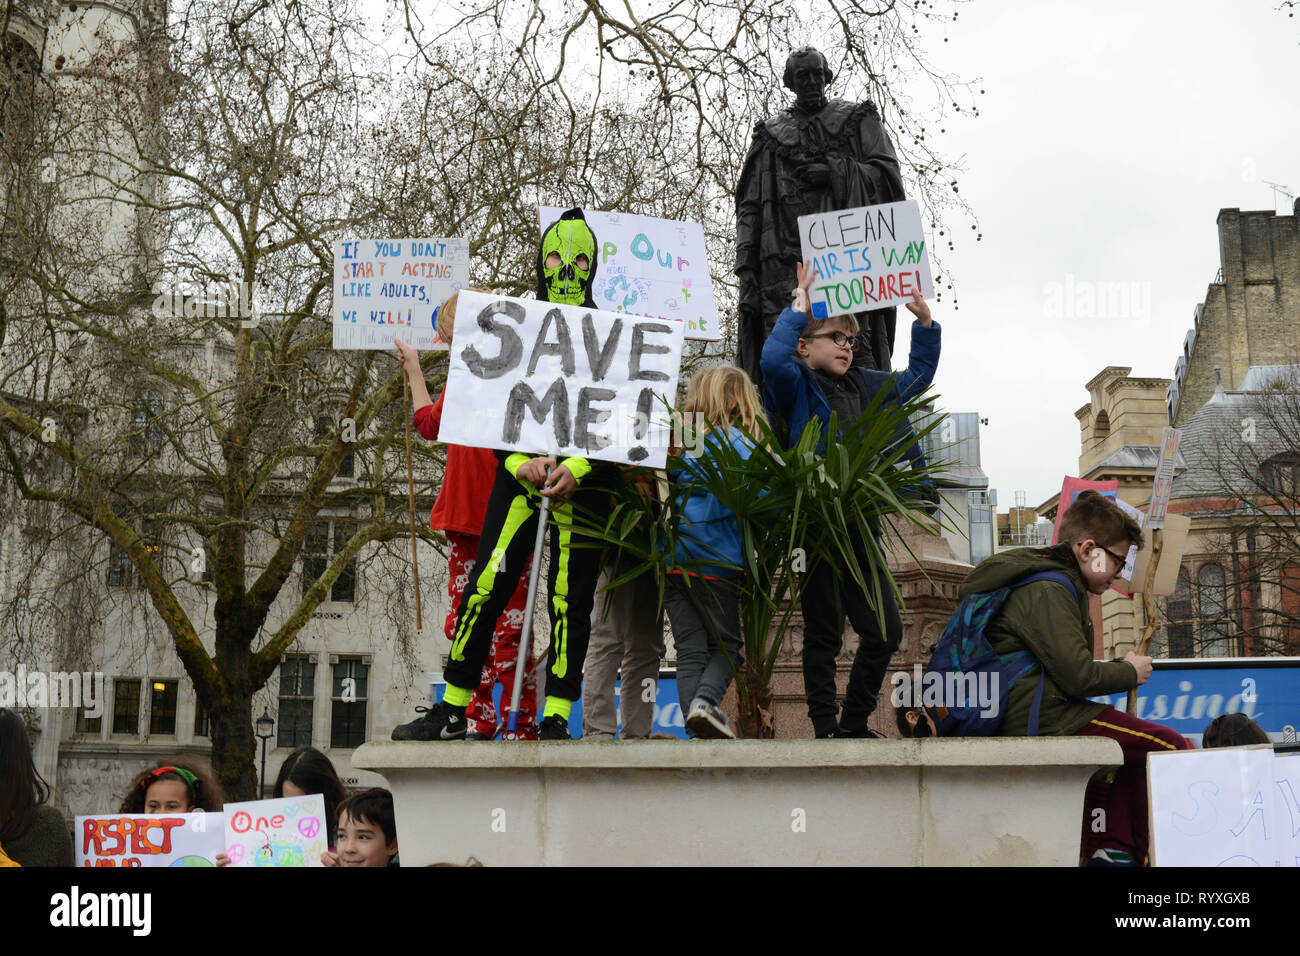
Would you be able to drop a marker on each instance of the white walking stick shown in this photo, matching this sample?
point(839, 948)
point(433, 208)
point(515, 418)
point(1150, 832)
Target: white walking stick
point(526, 634)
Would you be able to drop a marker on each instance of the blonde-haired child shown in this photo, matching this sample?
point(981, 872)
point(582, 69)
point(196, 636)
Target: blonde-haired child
point(703, 601)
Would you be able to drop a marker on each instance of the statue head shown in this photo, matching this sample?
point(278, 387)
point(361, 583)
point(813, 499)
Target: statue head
point(807, 75)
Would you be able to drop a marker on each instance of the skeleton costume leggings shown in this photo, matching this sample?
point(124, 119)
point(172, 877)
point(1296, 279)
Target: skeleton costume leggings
point(509, 532)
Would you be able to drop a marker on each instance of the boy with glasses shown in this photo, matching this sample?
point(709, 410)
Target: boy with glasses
point(807, 374)
point(1056, 627)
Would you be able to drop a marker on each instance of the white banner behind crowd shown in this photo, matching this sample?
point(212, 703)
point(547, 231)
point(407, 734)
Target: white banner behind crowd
point(652, 267)
point(557, 379)
point(389, 288)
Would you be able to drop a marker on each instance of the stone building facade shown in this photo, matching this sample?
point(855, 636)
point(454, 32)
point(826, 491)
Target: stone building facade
point(1249, 316)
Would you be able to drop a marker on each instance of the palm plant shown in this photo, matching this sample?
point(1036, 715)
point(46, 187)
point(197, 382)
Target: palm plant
point(794, 506)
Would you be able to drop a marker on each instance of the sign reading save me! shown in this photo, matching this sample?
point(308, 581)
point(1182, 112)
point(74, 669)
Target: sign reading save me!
point(563, 380)
point(866, 258)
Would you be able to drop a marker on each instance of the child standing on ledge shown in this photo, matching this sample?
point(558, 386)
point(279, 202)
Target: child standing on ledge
point(807, 374)
point(705, 610)
point(459, 512)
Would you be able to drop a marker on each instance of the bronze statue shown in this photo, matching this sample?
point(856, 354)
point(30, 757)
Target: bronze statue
point(816, 156)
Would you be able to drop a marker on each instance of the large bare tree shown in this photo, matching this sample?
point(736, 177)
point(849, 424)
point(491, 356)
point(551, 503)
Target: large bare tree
point(193, 450)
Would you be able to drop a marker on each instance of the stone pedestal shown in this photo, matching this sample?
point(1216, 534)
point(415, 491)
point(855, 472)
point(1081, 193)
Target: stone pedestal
point(976, 802)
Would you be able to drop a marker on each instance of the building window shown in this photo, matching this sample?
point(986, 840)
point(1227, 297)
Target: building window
point(162, 707)
point(1178, 609)
point(126, 707)
point(325, 429)
point(88, 725)
point(121, 571)
point(348, 703)
point(1215, 629)
point(324, 540)
point(297, 699)
point(146, 432)
point(1101, 429)
point(1281, 475)
point(201, 726)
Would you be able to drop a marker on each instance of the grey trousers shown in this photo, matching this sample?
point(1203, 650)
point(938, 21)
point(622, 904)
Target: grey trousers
point(702, 668)
point(627, 638)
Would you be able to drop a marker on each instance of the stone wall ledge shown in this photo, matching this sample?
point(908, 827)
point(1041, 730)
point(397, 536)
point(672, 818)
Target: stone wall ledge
point(964, 802)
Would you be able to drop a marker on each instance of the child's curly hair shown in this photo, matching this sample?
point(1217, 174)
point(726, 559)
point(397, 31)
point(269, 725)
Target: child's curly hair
point(205, 794)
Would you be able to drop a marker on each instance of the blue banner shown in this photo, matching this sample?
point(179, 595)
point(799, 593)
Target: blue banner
point(1186, 696)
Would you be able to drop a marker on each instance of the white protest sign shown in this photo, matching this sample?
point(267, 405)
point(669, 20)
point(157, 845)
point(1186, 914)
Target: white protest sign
point(1127, 571)
point(1286, 781)
point(289, 831)
point(539, 377)
point(1218, 807)
point(149, 839)
point(866, 258)
point(389, 288)
point(653, 267)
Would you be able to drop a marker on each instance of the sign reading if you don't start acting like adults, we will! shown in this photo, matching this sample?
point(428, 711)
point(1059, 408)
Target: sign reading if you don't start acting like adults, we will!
point(871, 257)
point(389, 288)
point(554, 379)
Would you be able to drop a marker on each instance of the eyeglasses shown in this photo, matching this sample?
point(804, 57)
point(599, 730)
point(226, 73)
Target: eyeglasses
point(840, 339)
point(1120, 559)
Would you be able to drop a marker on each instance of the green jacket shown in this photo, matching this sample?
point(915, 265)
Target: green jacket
point(1044, 619)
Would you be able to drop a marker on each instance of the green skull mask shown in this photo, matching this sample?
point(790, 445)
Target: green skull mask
point(567, 261)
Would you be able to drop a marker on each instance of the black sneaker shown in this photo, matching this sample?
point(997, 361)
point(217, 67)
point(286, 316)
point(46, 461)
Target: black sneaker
point(440, 722)
point(553, 727)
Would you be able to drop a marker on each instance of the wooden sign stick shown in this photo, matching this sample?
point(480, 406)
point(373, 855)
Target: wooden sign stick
point(410, 494)
point(1149, 603)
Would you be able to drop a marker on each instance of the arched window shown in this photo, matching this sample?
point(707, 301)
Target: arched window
point(1178, 609)
point(1215, 640)
point(146, 433)
point(1101, 428)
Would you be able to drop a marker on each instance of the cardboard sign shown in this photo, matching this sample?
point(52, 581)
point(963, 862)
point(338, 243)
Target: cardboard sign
point(389, 288)
point(563, 380)
point(1070, 488)
point(149, 839)
point(866, 258)
point(1229, 806)
point(1164, 477)
point(1171, 558)
point(652, 267)
point(289, 831)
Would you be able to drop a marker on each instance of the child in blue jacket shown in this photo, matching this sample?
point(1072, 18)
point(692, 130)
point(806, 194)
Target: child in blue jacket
point(808, 373)
point(705, 610)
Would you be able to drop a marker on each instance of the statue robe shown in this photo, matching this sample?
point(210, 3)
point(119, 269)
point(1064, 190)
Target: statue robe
point(770, 198)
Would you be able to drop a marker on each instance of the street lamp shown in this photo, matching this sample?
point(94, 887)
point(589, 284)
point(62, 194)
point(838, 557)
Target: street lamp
point(265, 728)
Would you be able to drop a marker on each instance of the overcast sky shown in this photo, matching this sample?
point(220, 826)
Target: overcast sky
point(1111, 134)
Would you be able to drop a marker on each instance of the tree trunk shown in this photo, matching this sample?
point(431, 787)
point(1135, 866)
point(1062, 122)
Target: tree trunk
point(755, 705)
point(234, 748)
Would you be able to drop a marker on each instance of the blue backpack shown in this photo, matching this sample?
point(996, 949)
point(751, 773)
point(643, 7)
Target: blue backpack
point(964, 650)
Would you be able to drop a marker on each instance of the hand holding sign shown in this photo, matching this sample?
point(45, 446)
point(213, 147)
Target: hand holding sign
point(805, 272)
